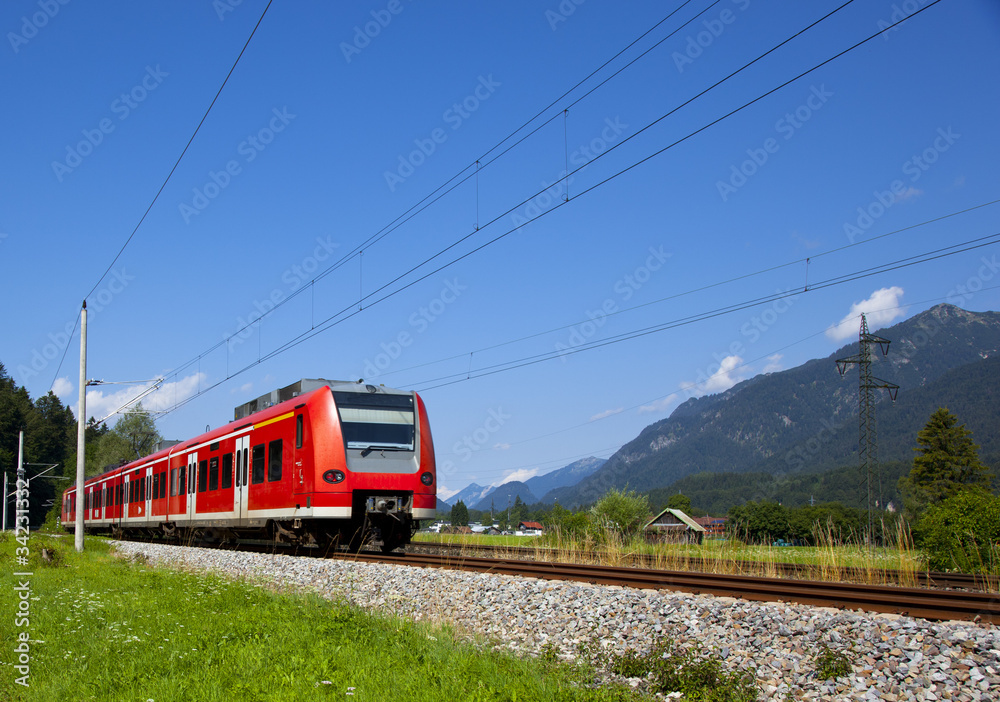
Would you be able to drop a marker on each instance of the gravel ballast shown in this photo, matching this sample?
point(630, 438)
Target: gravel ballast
point(893, 658)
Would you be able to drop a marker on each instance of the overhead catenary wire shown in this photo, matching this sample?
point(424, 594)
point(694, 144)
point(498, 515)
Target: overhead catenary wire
point(691, 291)
point(468, 171)
point(699, 317)
point(163, 185)
point(348, 311)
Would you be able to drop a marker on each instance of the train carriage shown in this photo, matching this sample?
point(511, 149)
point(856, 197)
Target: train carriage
point(315, 463)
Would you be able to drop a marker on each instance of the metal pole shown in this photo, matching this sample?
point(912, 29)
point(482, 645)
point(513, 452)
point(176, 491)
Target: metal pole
point(81, 431)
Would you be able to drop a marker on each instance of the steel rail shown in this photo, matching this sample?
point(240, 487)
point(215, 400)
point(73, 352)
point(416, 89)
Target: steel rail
point(926, 603)
point(915, 602)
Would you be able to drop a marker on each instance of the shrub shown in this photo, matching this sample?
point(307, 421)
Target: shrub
point(961, 533)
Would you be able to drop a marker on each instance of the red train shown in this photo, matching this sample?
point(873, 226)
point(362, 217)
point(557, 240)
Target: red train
point(316, 463)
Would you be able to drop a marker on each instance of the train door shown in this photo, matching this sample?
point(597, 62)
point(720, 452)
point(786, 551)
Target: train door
point(192, 493)
point(126, 501)
point(242, 478)
point(148, 497)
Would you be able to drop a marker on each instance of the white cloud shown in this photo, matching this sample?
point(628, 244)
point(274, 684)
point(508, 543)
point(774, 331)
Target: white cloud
point(773, 363)
point(724, 378)
point(444, 493)
point(520, 475)
point(243, 389)
point(881, 307)
point(908, 194)
point(501, 447)
point(63, 389)
point(100, 404)
point(660, 405)
point(607, 413)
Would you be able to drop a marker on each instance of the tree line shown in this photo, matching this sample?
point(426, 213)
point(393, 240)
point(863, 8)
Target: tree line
point(50, 437)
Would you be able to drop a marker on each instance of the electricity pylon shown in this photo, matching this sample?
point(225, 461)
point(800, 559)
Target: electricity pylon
point(870, 482)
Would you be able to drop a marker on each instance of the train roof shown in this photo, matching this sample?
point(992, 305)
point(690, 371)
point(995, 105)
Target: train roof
point(260, 406)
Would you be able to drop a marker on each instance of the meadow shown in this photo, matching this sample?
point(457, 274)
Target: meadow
point(106, 629)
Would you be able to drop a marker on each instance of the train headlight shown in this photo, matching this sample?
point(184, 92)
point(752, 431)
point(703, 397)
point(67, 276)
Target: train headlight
point(334, 476)
point(427, 478)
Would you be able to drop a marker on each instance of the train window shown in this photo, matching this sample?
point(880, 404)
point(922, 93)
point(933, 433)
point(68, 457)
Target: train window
point(119, 491)
point(246, 464)
point(181, 484)
point(214, 446)
point(377, 420)
point(299, 429)
point(258, 464)
point(173, 482)
point(163, 484)
point(227, 471)
point(202, 476)
point(156, 485)
point(213, 473)
point(239, 468)
point(274, 461)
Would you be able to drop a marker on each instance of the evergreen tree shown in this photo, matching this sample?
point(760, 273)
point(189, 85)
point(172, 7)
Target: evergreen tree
point(459, 514)
point(948, 462)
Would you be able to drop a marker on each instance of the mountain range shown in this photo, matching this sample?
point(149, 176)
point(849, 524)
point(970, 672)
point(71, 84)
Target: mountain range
point(805, 419)
point(485, 498)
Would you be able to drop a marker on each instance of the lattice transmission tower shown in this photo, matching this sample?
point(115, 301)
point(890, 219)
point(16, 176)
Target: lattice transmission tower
point(870, 483)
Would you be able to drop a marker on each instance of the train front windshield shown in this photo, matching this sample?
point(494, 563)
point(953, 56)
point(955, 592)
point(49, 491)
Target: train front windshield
point(376, 421)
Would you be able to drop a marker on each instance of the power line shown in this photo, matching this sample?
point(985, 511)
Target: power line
point(700, 317)
point(451, 184)
point(744, 276)
point(349, 311)
point(719, 311)
point(184, 151)
point(162, 186)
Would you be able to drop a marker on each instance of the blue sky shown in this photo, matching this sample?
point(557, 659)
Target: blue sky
point(348, 121)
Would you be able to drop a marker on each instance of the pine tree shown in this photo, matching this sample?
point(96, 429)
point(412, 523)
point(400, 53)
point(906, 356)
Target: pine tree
point(948, 462)
point(459, 514)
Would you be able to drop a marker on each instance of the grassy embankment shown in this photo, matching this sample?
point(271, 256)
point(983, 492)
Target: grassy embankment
point(828, 560)
point(102, 628)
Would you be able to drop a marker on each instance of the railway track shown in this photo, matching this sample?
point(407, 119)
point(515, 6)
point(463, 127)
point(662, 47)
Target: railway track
point(927, 603)
point(928, 579)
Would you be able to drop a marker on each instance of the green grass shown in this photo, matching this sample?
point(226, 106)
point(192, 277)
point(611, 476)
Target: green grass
point(106, 629)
